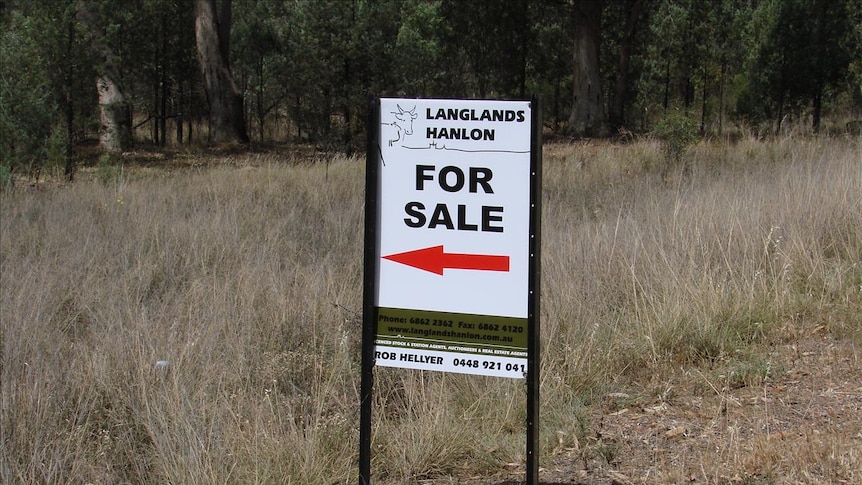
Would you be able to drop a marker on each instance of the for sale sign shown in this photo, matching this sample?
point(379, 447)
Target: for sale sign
point(454, 239)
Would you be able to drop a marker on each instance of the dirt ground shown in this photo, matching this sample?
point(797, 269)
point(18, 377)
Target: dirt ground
point(801, 423)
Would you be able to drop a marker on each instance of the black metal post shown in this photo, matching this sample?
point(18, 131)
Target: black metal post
point(369, 291)
point(533, 360)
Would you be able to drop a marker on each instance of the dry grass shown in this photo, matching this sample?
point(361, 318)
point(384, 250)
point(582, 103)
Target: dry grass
point(243, 280)
point(684, 272)
point(247, 281)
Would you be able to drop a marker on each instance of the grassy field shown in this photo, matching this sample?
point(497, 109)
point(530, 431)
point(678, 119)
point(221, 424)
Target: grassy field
point(201, 324)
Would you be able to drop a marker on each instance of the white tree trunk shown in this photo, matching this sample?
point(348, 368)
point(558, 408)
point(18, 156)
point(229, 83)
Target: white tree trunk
point(115, 130)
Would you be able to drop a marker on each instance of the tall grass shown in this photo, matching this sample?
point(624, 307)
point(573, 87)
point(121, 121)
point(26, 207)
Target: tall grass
point(642, 275)
point(247, 282)
point(242, 280)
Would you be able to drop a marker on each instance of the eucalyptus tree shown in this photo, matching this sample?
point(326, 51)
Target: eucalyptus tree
point(807, 52)
point(624, 24)
point(260, 55)
point(162, 54)
point(588, 117)
point(47, 94)
point(669, 61)
point(27, 104)
point(374, 66)
point(212, 35)
point(115, 131)
point(693, 56)
point(322, 33)
point(485, 46)
point(418, 61)
point(550, 62)
point(728, 51)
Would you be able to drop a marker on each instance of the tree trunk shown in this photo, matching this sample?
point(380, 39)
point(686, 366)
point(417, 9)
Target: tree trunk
point(689, 63)
point(154, 130)
point(616, 113)
point(721, 97)
point(115, 130)
point(261, 115)
point(703, 109)
point(227, 124)
point(69, 106)
point(819, 76)
point(163, 83)
point(666, 100)
point(588, 108)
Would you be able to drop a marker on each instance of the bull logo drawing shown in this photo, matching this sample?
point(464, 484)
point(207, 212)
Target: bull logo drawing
point(402, 126)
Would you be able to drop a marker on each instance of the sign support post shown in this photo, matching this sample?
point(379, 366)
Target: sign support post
point(368, 294)
point(452, 247)
point(533, 312)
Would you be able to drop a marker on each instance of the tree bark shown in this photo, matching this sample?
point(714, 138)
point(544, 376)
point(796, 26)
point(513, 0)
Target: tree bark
point(819, 76)
point(588, 117)
point(115, 130)
point(616, 113)
point(69, 105)
point(163, 82)
point(227, 123)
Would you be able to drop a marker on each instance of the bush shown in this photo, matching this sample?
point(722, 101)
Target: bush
point(6, 179)
point(677, 133)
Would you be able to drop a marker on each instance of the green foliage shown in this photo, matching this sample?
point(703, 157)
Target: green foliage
point(752, 369)
point(307, 68)
point(26, 105)
point(677, 132)
point(109, 172)
point(155, 46)
point(804, 50)
point(419, 45)
point(55, 147)
point(6, 178)
point(47, 90)
point(693, 55)
point(259, 33)
point(489, 41)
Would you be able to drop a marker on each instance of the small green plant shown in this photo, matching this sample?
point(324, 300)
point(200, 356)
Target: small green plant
point(677, 133)
point(751, 370)
point(55, 147)
point(109, 172)
point(6, 180)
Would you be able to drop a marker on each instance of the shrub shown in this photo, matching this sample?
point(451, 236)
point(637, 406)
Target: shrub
point(677, 133)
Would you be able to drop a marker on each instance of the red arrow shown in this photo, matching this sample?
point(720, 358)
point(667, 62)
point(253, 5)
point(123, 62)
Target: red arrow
point(434, 260)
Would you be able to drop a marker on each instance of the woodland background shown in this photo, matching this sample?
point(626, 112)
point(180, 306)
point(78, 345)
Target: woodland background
point(159, 72)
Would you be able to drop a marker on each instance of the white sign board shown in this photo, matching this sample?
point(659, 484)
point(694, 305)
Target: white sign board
point(453, 235)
